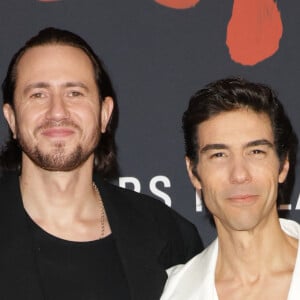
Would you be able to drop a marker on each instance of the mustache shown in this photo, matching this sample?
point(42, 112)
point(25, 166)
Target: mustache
point(53, 123)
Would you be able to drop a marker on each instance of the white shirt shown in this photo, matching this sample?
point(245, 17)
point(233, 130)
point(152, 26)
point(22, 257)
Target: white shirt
point(196, 279)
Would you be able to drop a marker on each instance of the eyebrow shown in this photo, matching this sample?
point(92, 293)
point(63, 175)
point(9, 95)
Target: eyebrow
point(213, 147)
point(47, 85)
point(261, 142)
point(76, 84)
point(35, 85)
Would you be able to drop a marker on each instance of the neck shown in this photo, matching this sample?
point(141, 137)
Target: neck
point(65, 204)
point(57, 195)
point(250, 254)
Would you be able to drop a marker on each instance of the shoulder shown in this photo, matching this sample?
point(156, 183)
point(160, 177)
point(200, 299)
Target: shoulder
point(141, 204)
point(8, 179)
point(189, 280)
point(9, 187)
point(196, 265)
point(151, 215)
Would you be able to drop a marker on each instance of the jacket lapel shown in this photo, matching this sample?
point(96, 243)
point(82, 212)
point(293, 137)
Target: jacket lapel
point(139, 245)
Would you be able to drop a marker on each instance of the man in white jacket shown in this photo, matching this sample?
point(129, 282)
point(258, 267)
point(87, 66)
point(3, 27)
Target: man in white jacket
point(240, 154)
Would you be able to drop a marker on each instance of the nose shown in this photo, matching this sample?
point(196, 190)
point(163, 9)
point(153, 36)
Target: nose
point(240, 172)
point(57, 109)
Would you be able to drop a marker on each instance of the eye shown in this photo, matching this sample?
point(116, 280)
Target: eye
point(218, 155)
point(257, 153)
point(37, 95)
point(75, 94)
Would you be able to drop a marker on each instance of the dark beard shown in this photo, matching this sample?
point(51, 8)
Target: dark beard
point(57, 160)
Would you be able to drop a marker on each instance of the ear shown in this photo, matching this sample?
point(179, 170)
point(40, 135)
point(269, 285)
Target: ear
point(194, 179)
point(106, 111)
point(284, 171)
point(10, 117)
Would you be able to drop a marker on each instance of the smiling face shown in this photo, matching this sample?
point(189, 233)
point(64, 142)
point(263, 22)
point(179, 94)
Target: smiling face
point(57, 117)
point(238, 168)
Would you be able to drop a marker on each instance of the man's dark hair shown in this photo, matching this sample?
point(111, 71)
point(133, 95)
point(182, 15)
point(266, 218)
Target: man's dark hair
point(105, 152)
point(232, 94)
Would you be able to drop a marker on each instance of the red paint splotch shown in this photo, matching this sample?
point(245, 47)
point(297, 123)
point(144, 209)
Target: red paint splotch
point(254, 31)
point(178, 4)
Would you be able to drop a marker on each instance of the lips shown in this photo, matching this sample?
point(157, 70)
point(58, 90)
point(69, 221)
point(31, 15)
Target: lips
point(57, 132)
point(243, 198)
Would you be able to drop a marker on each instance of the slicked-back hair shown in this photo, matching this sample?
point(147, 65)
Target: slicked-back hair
point(231, 94)
point(105, 152)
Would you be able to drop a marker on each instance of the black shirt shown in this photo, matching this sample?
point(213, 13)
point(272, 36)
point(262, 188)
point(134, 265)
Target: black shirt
point(79, 270)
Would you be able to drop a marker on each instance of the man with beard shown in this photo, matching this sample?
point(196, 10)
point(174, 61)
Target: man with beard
point(65, 232)
point(240, 153)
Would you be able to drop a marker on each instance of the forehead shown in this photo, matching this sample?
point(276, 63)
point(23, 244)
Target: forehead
point(235, 128)
point(47, 61)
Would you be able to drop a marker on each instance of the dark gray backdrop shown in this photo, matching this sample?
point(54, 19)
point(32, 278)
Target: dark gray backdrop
point(157, 58)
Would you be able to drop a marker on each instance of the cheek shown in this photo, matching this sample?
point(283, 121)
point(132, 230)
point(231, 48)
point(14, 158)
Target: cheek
point(29, 114)
point(212, 176)
point(211, 190)
point(268, 172)
point(26, 122)
point(88, 114)
point(212, 199)
point(89, 122)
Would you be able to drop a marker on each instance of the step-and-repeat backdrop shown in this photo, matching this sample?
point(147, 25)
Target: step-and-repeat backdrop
point(158, 53)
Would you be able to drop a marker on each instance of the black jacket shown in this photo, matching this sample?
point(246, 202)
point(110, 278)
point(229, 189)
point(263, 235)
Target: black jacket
point(150, 237)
